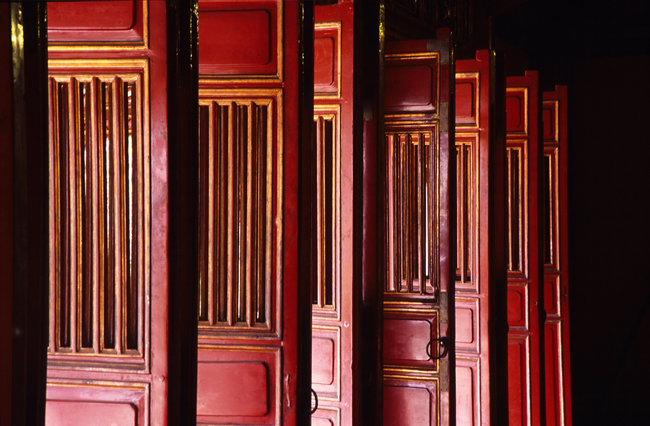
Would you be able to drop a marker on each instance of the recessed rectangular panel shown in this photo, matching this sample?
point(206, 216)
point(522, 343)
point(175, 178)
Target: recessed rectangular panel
point(467, 393)
point(413, 83)
point(466, 97)
point(406, 339)
point(75, 413)
point(550, 111)
point(97, 403)
point(467, 324)
point(552, 295)
point(409, 406)
point(120, 23)
point(517, 111)
point(238, 384)
point(325, 416)
point(238, 39)
point(517, 390)
point(232, 389)
point(91, 15)
point(327, 59)
point(322, 361)
point(517, 306)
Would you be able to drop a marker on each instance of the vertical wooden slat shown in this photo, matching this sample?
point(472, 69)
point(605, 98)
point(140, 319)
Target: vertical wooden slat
point(204, 207)
point(73, 215)
point(421, 214)
point(97, 205)
point(116, 213)
point(248, 242)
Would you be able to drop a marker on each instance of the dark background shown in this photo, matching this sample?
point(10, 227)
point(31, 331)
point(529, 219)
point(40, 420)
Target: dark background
point(601, 51)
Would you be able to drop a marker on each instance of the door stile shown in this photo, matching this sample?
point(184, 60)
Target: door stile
point(258, 230)
point(130, 208)
point(556, 287)
point(480, 271)
point(525, 270)
point(418, 312)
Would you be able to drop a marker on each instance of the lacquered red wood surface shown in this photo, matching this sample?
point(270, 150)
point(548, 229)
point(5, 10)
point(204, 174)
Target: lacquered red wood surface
point(419, 390)
point(525, 298)
point(267, 362)
point(150, 383)
point(556, 275)
point(333, 325)
point(481, 289)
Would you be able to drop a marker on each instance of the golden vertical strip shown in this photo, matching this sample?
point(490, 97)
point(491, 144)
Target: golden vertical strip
point(250, 177)
point(320, 134)
point(460, 214)
point(117, 174)
point(212, 197)
point(509, 213)
point(269, 216)
point(430, 211)
point(231, 209)
point(53, 217)
point(421, 216)
point(72, 192)
point(97, 203)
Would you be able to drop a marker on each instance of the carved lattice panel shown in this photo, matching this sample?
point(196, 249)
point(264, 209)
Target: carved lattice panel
point(412, 157)
point(524, 216)
point(238, 207)
point(99, 187)
point(556, 303)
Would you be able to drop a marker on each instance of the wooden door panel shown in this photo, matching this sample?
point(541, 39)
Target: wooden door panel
point(524, 219)
point(108, 355)
point(333, 324)
point(251, 126)
point(480, 287)
point(556, 325)
point(418, 313)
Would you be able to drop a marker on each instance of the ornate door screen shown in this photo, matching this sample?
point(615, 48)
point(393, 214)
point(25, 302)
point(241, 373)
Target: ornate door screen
point(524, 152)
point(101, 284)
point(418, 312)
point(332, 292)
point(250, 127)
point(480, 256)
point(102, 267)
point(556, 297)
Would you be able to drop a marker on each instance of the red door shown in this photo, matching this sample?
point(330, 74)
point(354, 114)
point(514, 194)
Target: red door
point(109, 359)
point(480, 239)
point(332, 294)
point(255, 119)
point(418, 310)
point(556, 297)
point(524, 152)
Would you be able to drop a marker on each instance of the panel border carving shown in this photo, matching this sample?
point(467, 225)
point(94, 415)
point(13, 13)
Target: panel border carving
point(106, 45)
point(86, 70)
point(277, 77)
point(273, 326)
point(333, 25)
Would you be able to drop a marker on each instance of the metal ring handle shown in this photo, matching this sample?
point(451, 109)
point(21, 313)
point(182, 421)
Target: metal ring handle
point(313, 410)
point(444, 343)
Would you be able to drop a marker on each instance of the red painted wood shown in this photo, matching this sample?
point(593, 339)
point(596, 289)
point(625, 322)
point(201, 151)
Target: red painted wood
point(480, 267)
point(523, 103)
point(85, 390)
point(419, 390)
point(253, 54)
point(556, 275)
point(333, 325)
